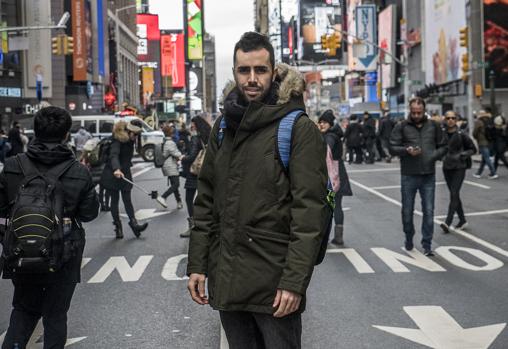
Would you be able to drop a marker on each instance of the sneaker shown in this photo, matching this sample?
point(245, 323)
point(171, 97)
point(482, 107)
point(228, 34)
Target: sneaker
point(161, 201)
point(462, 226)
point(179, 205)
point(445, 227)
point(494, 176)
point(408, 245)
point(476, 175)
point(428, 253)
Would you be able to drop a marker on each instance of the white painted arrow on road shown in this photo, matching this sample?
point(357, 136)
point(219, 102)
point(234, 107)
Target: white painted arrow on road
point(437, 329)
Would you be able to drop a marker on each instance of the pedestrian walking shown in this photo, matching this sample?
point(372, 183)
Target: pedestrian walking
point(118, 166)
point(15, 140)
point(386, 125)
point(455, 163)
point(170, 167)
point(354, 140)
point(500, 141)
point(81, 137)
point(257, 227)
point(200, 133)
point(484, 133)
point(333, 138)
point(43, 287)
point(419, 142)
point(369, 135)
point(5, 146)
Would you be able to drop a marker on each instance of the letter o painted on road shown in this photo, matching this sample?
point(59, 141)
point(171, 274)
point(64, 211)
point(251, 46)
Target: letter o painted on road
point(491, 263)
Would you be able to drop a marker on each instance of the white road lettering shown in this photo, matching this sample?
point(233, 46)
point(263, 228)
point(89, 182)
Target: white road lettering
point(170, 268)
point(491, 263)
point(356, 260)
point(437, 329)
point(126, 272)
point(416, 258)
point(85, 261)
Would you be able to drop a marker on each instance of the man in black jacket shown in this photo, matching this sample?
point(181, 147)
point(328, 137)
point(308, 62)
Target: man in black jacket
point(419, 142)
point(369, 133)
point(48, 295)
point(385, 130)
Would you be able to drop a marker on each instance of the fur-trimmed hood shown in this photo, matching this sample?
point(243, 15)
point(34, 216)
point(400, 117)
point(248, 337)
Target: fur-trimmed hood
point(291, 84)
point(120, 132)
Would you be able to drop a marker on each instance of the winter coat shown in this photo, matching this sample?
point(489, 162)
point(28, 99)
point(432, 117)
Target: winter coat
point(354, 135)
point(501, 139)
point(171, 153)
point(385, 128)
point(80, 139)
point(479, 131)
point(80, 202)
point(257, 228)
point(460, 148)
point(369, 128)
point(15, 141)
point(120, 157)
point(334, 142)
point(196, 144)
point(429, 137)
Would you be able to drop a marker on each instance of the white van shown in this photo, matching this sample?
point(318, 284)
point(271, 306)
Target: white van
point(101, 126)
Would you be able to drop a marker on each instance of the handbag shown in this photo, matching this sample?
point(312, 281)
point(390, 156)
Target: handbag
point(196, 165)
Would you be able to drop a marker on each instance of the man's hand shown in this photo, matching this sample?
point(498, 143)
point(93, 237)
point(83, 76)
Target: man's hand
point(414, 151)
point(286, 302)
point(118, 174)
point(196, 287)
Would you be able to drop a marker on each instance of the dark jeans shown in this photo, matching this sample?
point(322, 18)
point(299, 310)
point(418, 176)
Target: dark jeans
point(246, 330)
point(190, 194)
point(369, 149)
point(338, 213)
point(359, 155)
point(454, 180)
point(485, 152)
point(385, 145)
point(127, 202)
point(500, 156)
point(30, 303)
point(173, 189)
point(426, 185)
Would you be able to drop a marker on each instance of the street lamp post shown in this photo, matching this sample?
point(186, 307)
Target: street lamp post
point(62, 24)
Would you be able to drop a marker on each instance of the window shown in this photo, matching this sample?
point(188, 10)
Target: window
point(76, 124)
point(106, 126)
point(91, 126)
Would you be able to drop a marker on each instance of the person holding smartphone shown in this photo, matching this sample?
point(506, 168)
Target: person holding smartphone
point(419, 142)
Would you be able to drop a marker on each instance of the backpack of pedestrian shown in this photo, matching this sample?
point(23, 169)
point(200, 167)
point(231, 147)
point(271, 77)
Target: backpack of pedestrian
point(172, 157)
point(45, 195)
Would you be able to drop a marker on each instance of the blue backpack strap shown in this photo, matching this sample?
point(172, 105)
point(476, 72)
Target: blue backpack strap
point(220, 134)
point(284, 136)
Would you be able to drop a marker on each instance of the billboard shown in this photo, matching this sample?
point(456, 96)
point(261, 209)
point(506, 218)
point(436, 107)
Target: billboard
point(173, 58)
point(443, 20)
point(195, 29)
point(495, 38)
point(365, 54)
point(386, 41)
point(315, 18)
point(149, 47)
point(82, 32)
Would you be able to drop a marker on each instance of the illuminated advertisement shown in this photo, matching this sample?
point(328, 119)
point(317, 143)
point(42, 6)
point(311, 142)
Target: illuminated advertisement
point(172, 58)
point(387, 42)
point(149, 47)
point(315, 16)
point(195, 29)
point(442, 50)
point(495, 38)
point(82, 33)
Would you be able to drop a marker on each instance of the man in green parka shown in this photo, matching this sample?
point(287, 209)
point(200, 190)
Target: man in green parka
point(258, 227)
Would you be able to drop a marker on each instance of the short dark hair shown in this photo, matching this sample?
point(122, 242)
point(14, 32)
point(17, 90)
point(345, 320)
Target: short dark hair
point(418, 101)
point(253, 41)
point(52, 124)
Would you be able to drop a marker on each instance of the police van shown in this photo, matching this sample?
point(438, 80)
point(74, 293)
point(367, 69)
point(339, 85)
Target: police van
point(101, 126)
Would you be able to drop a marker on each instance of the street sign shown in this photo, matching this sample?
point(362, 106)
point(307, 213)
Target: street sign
point(366, 30)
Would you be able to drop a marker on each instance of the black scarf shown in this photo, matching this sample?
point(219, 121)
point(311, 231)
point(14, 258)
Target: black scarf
point(235, 105)
point(48, 153)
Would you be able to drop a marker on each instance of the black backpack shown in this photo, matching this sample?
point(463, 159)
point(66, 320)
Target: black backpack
point(159, 158)
point(37, 237)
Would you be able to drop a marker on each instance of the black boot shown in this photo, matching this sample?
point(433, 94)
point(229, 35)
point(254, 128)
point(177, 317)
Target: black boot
point(136, 227)
point(118, 229)
point(105, 208)
point(186, 234)
point(338, 238)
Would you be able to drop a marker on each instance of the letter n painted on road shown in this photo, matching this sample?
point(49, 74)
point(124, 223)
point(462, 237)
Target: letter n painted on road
point(126, 272)
point(355, 259)
point(393, 260)
point(170, 268)
point(491, 263)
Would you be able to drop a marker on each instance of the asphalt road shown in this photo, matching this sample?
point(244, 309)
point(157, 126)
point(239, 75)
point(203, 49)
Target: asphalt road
point(133, 292)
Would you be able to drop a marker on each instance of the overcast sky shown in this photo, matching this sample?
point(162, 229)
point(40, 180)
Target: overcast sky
point(225, 19)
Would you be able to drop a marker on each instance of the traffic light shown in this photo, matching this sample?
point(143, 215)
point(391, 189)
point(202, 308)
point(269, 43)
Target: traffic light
point(337, 40)
point(324, 42)
point(56, 45)
point(465, 66)
point(464, 37)
point(68, 45)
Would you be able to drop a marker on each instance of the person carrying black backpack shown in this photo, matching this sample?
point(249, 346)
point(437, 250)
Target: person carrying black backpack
point(45, 194)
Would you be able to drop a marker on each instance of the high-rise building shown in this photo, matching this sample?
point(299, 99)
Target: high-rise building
point(210, 83)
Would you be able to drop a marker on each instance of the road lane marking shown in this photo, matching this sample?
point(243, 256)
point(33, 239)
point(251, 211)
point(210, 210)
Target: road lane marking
point(437, 221)
point(126, 272)
point(170, 268)
point(360, 264)
point(476, 184)
point(145, 170)
point(416, 258)
point(374, 170)
point(437, 183)
point(491, 263)
point(437, 329)
point(480, 213)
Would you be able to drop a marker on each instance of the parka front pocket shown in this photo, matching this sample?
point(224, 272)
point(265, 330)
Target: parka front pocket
point(258, 265)
point(213, 258)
